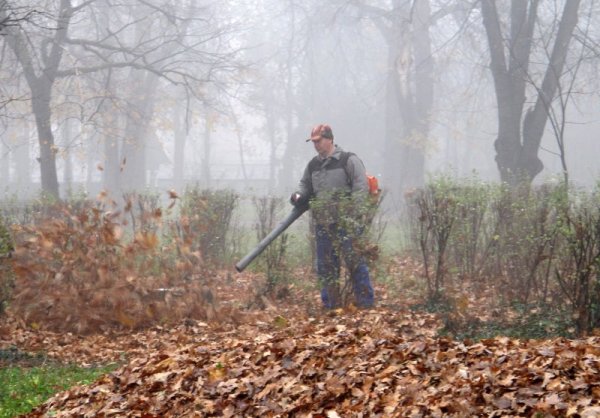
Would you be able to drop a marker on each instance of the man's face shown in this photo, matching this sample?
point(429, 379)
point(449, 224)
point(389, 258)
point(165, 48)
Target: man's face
point(323, 146)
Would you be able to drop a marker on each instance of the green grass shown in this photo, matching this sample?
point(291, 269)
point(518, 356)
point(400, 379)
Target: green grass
point(22, 389)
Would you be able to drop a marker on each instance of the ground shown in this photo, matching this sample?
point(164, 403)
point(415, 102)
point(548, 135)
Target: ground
point(283, 356)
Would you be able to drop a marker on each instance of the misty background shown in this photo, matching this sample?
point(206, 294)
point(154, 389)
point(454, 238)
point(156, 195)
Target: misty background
point(154, 95)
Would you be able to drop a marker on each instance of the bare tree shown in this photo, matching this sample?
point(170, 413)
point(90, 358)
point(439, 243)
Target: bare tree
point(162, 50)
point(405, 27)
point(520, 129)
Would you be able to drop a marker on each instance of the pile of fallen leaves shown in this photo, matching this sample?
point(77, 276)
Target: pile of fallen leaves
point(80, 272)
point(365, 363)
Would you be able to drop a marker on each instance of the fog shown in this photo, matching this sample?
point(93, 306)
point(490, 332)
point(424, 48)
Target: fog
point(128, 96)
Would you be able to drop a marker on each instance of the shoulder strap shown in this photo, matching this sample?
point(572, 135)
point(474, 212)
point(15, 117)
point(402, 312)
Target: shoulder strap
point(344, 162)
point(344, 158)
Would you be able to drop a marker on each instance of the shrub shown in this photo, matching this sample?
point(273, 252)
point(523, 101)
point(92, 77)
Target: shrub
point(268, 210)
point(470, 235)
point(535, 246)
point(205, 223)
point(6, 274)
point(578, 264)
point(436, 211)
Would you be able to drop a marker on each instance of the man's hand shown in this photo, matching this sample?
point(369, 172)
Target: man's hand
point(296, 199)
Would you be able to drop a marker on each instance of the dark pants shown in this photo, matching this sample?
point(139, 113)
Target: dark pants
point(331, 242)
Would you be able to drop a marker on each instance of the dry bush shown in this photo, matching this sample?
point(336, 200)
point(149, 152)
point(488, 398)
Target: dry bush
point(6, 275)
point(78, 272)
point(268, 211)
point(577, 266)
point(536, 248)
point(206, 222)
point(436, 213)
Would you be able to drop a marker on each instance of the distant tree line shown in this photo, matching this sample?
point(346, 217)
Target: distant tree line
point(102, 80)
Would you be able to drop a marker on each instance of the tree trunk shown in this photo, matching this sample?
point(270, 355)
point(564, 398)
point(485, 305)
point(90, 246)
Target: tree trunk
point(409, 99)
point(423, 69)
point(180, 122)
point(68, 168)
point(133, 174)
point(288, 180)
point(40, 104)
point(516, 149)
point(111, 121)
point(23, 159)
point(240, 139)
point(206, 178)
point(536, 118)
point(111, 156)
point(92, 160)
point(4, 165)
point(272, 149)
point(394, 132)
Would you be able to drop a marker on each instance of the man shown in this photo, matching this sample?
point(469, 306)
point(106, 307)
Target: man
point(335, 185)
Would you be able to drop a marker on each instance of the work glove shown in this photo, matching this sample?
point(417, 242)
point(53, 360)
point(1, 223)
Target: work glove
point(297, 199)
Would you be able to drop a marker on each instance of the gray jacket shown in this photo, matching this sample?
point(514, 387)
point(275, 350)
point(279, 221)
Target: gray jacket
point(328, 182)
